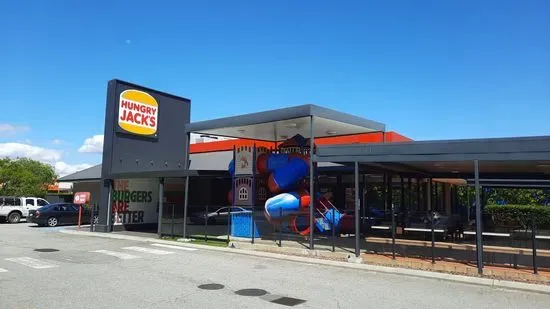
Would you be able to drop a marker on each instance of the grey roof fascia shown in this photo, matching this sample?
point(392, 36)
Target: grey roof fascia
point(251, 119)
point(171, 174)
point(520, 148)
point(284, 114)
point(323, 112)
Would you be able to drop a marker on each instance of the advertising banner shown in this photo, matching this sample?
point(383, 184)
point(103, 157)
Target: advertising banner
point(135, 201)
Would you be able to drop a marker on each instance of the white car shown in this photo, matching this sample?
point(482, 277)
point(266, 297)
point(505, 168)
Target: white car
point(14, 208)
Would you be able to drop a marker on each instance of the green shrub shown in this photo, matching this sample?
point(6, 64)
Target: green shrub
point(519, 215)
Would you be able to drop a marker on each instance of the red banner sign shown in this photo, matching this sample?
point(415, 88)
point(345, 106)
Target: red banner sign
point(81, 198)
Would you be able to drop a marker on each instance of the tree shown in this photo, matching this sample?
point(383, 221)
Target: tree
point(517, 196)
point(25, 177)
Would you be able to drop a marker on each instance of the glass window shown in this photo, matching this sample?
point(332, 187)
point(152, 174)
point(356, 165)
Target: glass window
point(42, 202)
point(67, 207)
point(29, 201)
point(16, 201)
point(243, 194)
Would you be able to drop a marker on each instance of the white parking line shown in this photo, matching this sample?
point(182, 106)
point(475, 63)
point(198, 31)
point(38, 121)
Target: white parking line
point(30, 262)
point(175, 247)
point(2, 270)
point(120, 255)
point(148, 250)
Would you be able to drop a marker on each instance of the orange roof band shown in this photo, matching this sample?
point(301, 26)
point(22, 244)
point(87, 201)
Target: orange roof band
point(364, 138)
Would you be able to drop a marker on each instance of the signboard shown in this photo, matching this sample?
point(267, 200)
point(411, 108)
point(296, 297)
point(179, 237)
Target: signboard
point(138, 113)
point(144, 136)
point(81, 198)
point(144, 131)
point(243, 160)
point(135, 201)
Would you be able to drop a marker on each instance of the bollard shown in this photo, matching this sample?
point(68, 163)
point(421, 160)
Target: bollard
point(206, 225)
point(534, 240)
point(173, 214)
point(433, 237)
point(280, 233)
point(229, 219)
point(91, 218)
point(333, 230)
point(392, 231)
point(252, 224)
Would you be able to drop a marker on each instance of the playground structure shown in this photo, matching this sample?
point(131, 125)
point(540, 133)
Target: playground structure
point(280, 176)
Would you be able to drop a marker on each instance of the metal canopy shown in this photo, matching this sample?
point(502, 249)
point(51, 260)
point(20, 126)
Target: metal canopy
point(521, 158)
point(280, 124)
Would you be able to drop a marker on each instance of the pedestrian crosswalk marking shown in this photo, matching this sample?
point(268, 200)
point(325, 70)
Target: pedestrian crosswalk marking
point(148, 250)
point(175, 247)
point(120, 255)
point(30, 262)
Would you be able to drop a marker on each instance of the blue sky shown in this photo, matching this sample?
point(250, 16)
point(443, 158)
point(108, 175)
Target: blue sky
point(428, 69)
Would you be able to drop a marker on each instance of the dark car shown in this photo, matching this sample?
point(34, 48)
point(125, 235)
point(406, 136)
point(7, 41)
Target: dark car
point(219, 216)
point(59, 214)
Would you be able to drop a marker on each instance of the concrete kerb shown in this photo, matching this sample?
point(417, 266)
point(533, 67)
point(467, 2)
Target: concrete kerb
point(350, 263)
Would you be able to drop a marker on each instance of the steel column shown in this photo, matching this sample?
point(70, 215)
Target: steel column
point(409, 199)
point(534, 245)
point(357, 211)
point(479, 229)
point(311, 181)
point(417, 194)
point(186, 197)
point(432, 214)
point(161, 205)
point(254, 199)
point(185, 202)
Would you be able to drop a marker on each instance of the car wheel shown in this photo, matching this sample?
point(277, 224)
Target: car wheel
point(52, 221)
point(14, 217)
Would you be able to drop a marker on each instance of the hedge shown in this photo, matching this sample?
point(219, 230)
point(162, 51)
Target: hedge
point(520, 215)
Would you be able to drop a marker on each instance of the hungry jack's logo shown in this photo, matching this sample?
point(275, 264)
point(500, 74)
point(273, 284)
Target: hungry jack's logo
point(138, 113)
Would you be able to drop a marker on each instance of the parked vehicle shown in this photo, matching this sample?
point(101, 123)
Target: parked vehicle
point(14, 208)
point(59, 214)
point(219, 216)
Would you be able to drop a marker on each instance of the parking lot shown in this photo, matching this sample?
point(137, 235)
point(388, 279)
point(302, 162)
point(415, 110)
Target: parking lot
point(43, 268)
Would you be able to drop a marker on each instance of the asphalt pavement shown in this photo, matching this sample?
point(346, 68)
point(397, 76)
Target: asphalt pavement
point(42, 268)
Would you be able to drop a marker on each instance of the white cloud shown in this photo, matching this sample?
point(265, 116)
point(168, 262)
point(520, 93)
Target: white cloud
point(58, 142)
point(7, 129)
point(128, 41)
point(45, 155)
point(63, 169)
point(92, 144)
point(18, 150)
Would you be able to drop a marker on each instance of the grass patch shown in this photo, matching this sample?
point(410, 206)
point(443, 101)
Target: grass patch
point(172, 238)
point(210, 242)
point(215, 242)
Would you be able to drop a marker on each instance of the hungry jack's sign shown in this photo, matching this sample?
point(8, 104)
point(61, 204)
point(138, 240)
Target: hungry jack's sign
point(138, 113)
